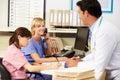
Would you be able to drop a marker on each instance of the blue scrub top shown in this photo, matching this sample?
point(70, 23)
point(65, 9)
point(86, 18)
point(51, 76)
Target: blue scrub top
point(34, 47)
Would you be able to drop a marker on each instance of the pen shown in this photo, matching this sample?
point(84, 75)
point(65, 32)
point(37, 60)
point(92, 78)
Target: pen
point(57, 59)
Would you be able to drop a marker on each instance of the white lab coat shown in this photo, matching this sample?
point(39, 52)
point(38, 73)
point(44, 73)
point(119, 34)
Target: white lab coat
point(105, 48)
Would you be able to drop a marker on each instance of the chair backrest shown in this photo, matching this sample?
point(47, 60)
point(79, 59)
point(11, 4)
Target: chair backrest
point(35, 75)
point(5, 75)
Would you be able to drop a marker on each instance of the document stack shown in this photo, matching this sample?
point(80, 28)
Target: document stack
point(74, 73)
point(55, 44)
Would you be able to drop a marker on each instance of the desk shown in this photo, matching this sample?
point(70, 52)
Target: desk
point(81, 72)
point(98, 76)
point(51, 72)
point(73, 73)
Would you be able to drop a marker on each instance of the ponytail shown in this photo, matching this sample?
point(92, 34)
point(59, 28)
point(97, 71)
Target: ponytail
point(12, 39)
point(23, 32)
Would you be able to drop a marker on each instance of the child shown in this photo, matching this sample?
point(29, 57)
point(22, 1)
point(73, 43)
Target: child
point(14, 60)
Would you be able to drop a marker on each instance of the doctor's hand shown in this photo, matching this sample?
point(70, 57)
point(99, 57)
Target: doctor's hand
point(76, 58)
point(72, 62)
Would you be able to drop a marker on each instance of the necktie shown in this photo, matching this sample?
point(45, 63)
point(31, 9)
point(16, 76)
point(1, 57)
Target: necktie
point(89, 39)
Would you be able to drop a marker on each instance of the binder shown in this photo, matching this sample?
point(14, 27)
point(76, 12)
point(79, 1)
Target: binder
point(71, 18)
point(63, 18)
point(54, 46)
point(67, 18)
point(55, 18)
point(59, 19)
point(75, 18)
point(51, 19)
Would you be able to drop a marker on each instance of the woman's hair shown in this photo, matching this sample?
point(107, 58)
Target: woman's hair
point(22, 31)
point(36, 23)
point(92, 6)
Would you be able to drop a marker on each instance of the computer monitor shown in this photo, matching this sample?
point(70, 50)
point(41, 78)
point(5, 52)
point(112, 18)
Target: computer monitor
point(81, 40)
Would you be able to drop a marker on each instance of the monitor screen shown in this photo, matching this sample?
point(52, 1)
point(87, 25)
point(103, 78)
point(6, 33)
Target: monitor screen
point(81, 41)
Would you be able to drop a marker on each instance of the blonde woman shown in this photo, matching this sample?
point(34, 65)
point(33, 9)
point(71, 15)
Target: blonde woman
point(37, 49)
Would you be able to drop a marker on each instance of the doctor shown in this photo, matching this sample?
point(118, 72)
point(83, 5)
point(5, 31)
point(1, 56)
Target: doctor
point(105, 41)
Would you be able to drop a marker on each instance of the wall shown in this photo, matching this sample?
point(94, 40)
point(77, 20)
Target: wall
point(3, 14)
point(115, 16)
point(4, 39)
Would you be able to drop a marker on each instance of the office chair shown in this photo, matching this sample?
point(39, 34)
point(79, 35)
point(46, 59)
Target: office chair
point(35, 75)
point(5, 75)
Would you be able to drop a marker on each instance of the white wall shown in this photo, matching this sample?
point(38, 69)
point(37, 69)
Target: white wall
point(3, 13)
point(115, 16)
point(4, 40)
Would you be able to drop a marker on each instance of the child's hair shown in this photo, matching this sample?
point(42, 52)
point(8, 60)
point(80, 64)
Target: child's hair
point(22, 31)
point(35, 23)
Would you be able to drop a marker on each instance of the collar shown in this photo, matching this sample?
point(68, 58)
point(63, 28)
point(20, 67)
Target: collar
point(96, 24)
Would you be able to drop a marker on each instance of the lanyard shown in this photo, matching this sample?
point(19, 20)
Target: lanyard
point(100, 21)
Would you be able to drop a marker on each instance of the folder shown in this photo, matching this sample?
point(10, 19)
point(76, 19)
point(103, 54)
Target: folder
point(59, 19)
point(63, 19)
point(55, 18)
point(51, 19)
point(54, 46)
point(75, 18)
point(67, 18)
point(71, 17)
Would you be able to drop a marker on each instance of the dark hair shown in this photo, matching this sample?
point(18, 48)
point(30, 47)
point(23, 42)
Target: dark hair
point(92, 6)
point(22, 31)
